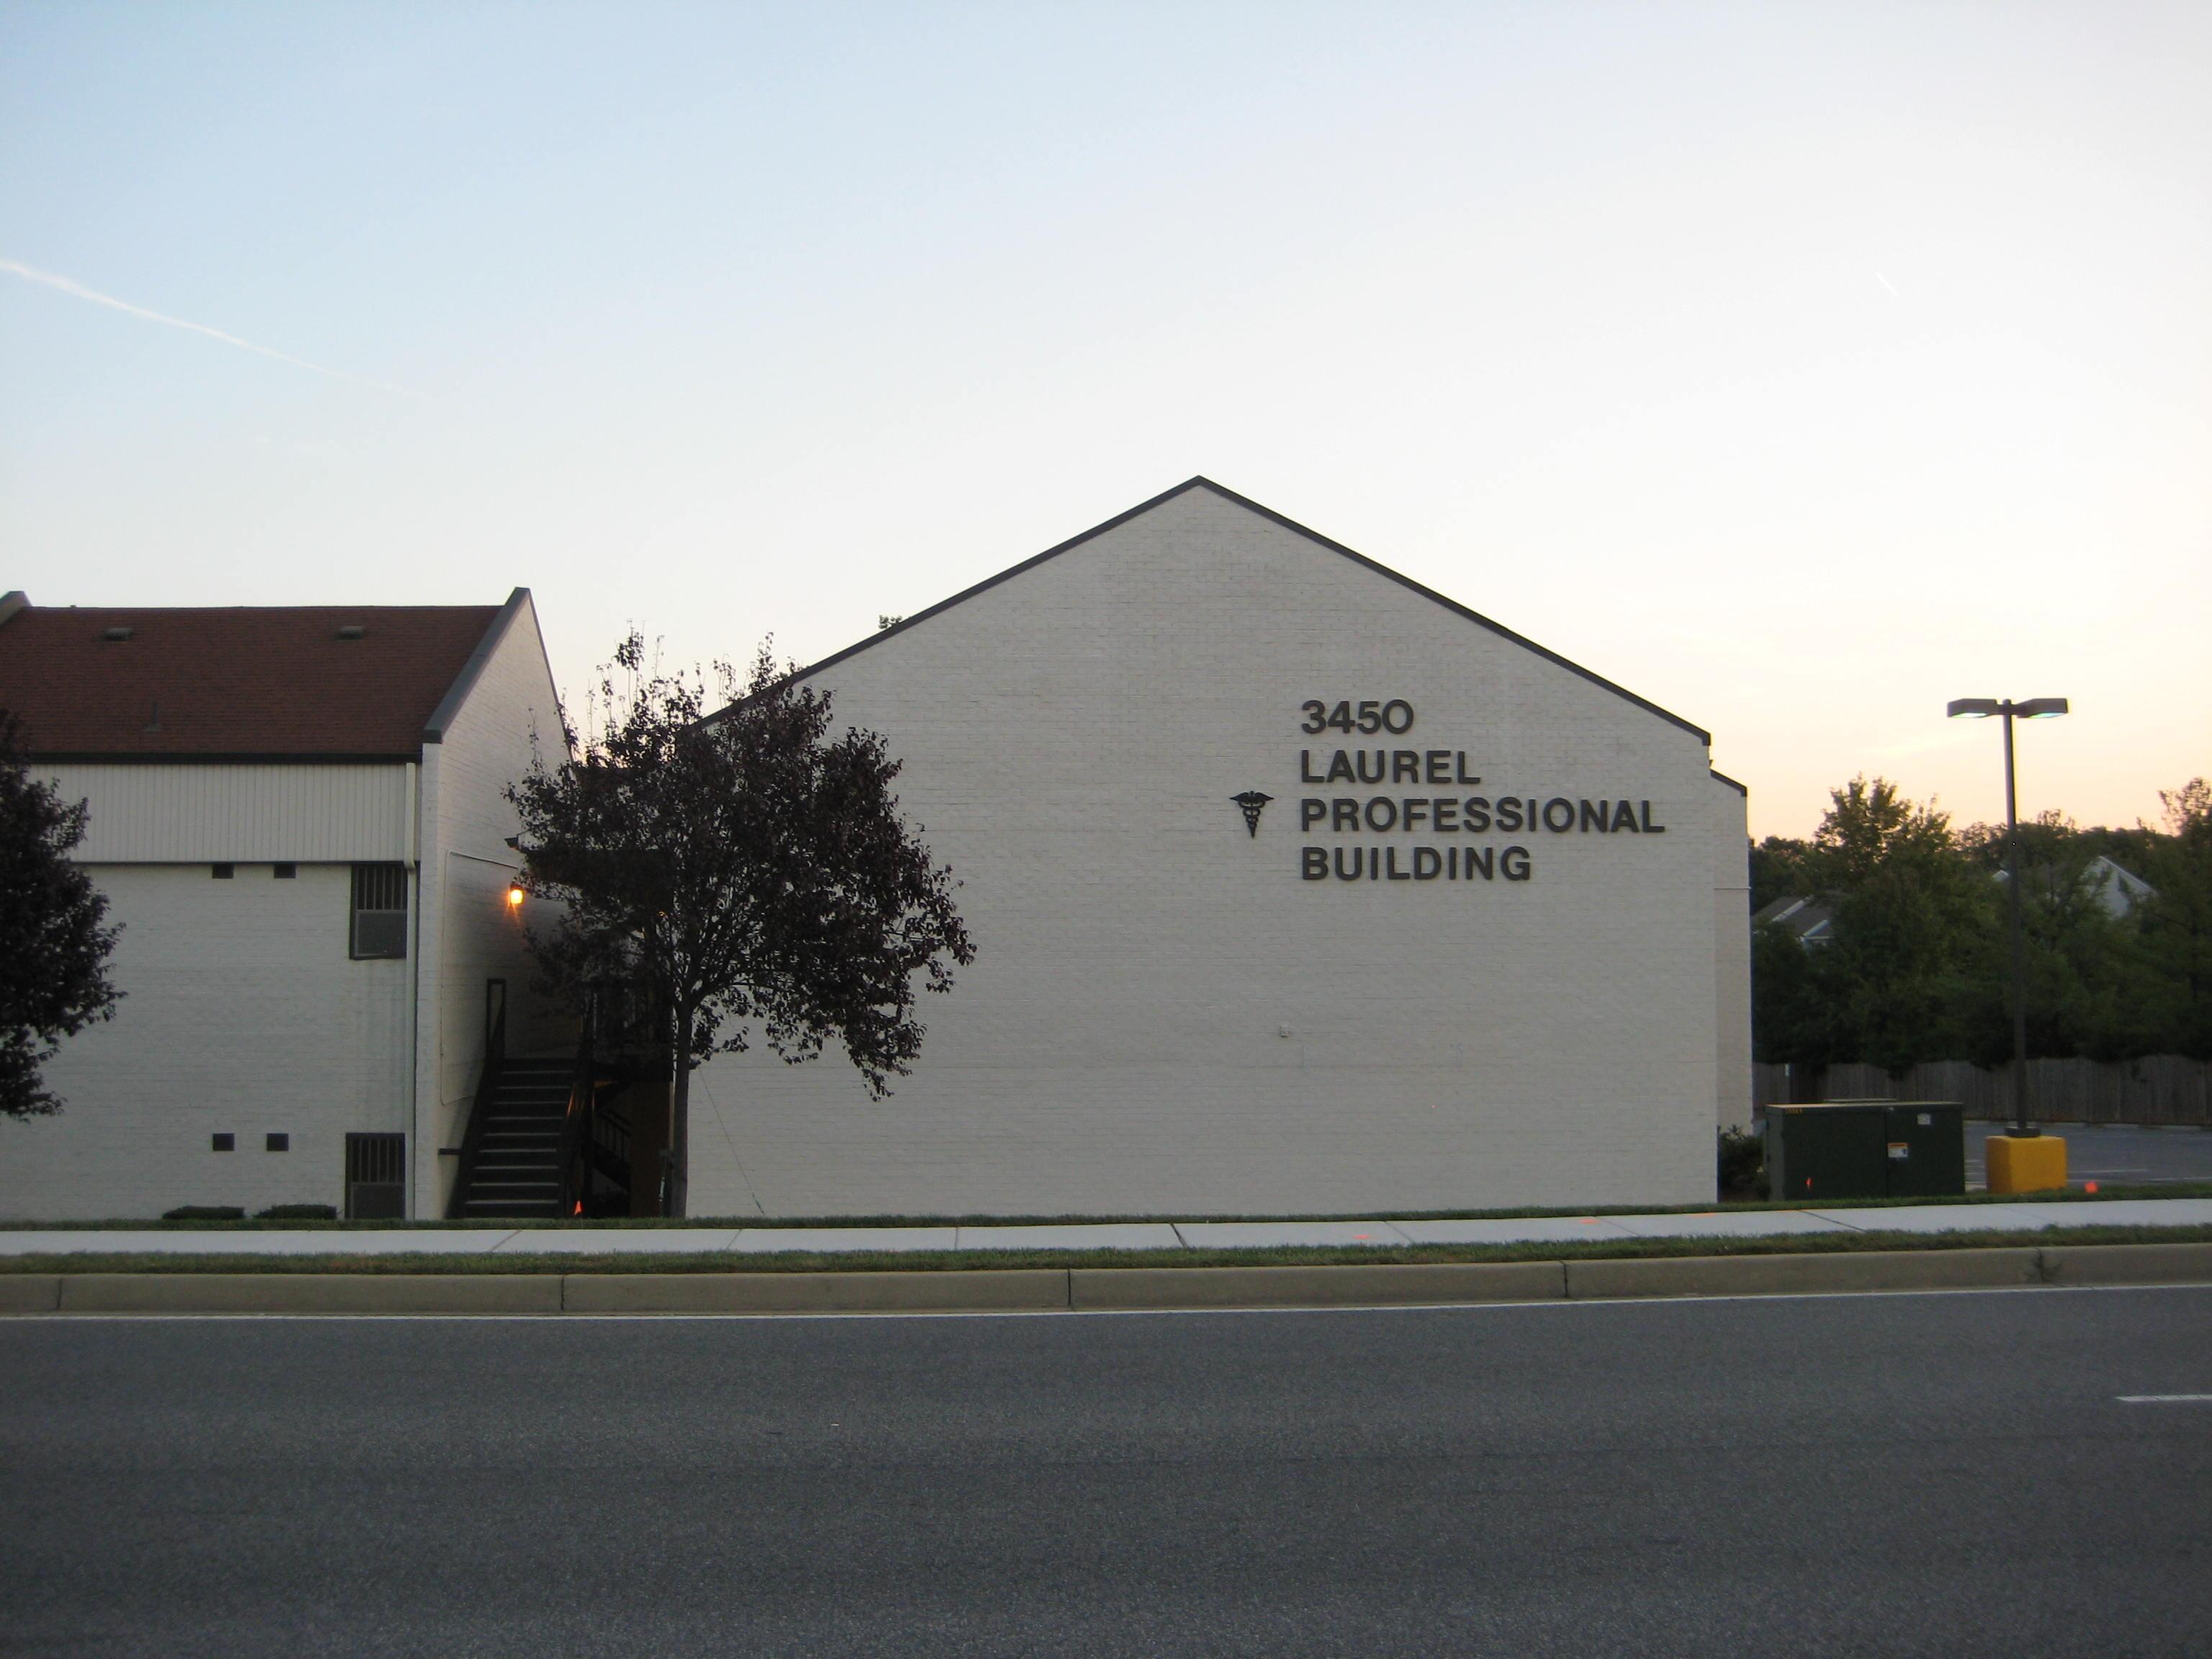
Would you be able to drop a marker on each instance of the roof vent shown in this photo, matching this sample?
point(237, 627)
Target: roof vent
point(115, 636)
point(353, 631)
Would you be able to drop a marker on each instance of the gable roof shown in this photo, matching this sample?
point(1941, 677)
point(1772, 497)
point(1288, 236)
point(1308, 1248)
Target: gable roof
point(1806, 919)
point(2115, 887)
point(242, 683)
point(1273, 517)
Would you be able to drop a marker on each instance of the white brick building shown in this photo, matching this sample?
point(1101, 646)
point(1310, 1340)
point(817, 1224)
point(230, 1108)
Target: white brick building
point(296, 817)
point(1391, 991)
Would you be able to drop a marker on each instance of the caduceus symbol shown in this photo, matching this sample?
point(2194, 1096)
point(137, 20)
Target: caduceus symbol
point(1250, 802)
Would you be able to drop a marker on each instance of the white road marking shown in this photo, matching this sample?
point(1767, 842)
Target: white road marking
point(2165, 1399)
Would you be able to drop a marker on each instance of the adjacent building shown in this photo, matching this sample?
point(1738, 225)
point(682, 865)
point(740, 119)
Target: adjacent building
point(297, 818)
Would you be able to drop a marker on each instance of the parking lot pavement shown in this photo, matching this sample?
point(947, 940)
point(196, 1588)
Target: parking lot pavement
point(2113, 1154)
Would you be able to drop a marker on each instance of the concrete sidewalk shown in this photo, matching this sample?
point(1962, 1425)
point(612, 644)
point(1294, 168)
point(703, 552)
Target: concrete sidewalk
point(647, 1242)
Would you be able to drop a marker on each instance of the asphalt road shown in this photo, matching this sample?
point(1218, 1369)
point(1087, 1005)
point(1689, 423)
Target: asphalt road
point(1932, 1474)
point(2114, 1154)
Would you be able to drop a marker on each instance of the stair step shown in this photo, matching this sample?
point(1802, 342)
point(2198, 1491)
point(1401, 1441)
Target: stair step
point(517, 1169)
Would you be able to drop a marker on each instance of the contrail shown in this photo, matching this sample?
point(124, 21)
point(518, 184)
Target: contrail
point(31, 274)
point(1884, 281)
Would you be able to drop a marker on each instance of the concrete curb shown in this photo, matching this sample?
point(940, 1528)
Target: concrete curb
point(286, 1293)
point(978, 1290)
point(23, 1293)
point(1045, 1289)
point(2127, 1264)
point(1770, 1275)
point(1351, 1285)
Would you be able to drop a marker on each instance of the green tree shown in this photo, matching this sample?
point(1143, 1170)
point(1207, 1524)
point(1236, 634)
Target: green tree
point(2081, 961)
point(2176, 924)
point(1890, 985)
point(1790, 1021)
point(53, 949)
point(746, 871)
point(1777, 871)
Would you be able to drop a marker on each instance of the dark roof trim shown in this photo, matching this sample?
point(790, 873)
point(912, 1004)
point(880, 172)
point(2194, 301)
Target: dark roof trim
point(448, 711)
point(10, 603)
point(1740, 789)
point(1314, 536)
point(140, 757)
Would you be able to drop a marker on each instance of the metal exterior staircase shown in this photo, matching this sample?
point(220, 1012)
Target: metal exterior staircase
point(515, 1165)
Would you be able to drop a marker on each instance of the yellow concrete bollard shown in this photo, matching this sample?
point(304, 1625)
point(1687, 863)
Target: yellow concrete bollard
point(2030, 1164)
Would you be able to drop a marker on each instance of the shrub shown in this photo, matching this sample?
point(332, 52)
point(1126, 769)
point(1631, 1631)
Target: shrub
point(204, 1213)
point(297, 1213)
point(1742, 1164)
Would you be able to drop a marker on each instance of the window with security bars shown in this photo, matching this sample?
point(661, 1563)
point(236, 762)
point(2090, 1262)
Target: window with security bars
point(379, 911)
point(376, 1177)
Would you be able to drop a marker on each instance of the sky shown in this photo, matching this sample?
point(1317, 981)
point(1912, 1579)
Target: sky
point(1798, 368)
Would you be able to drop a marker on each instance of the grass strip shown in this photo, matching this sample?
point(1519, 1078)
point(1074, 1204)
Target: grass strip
point(943, 1260)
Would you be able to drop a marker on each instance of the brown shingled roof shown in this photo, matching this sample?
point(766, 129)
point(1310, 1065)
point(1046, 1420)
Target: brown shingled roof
point(241, 681)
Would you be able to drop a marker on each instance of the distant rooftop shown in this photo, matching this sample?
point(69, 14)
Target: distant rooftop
point(311, 682)
point(1808, 921)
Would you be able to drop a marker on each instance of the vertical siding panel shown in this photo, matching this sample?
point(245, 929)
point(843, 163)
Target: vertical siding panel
point(194, 814)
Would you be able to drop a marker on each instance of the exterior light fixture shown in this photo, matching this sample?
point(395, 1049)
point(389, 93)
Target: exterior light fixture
point(2035, 709)
point(1983, 709)
point(514, 895)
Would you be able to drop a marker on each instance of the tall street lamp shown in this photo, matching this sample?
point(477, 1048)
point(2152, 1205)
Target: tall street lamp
point(2033, 1171)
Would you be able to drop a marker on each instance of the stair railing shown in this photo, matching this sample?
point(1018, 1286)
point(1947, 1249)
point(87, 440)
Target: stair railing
point(479, 1113)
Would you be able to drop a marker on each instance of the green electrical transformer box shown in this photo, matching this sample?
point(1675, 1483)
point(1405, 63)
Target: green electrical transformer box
point(1866, 1149)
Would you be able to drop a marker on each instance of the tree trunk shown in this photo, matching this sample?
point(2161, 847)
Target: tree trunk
point(679, 1124)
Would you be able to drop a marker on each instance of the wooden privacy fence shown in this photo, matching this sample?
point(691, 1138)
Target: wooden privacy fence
point(2157, 1089)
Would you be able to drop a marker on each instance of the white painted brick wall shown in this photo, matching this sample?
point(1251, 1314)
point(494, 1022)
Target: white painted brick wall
point(242, 1012)
point(1072, 738)
point(1732, 955)
point(474, 935)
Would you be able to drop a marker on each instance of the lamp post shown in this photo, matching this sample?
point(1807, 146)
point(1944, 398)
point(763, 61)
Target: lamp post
point(2035, 709)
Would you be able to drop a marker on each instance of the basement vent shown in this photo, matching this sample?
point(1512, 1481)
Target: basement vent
point(375, 1178)
point(379, 911)
point(353, 631)
point(115, 636)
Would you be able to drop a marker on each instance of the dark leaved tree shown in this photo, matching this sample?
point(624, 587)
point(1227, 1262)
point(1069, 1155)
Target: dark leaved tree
point(746, 872)
point(1777, 871)
point(2177, 925)
point(2083, 969)
point(53, 951)
point(1895, 981)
